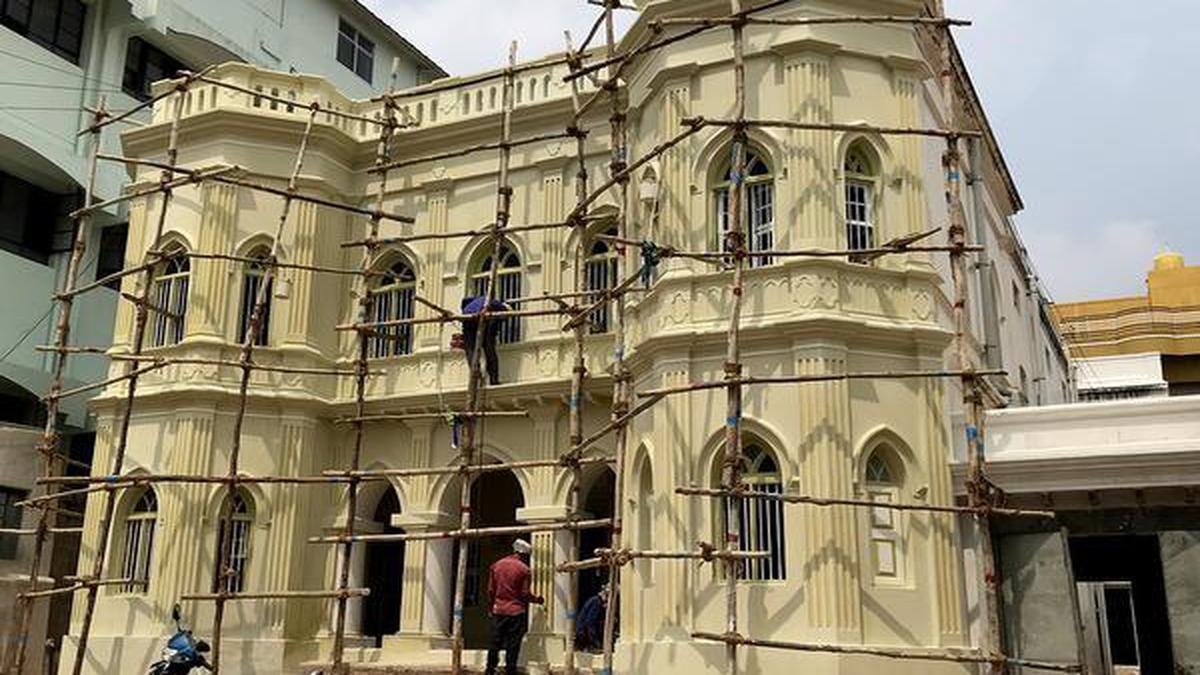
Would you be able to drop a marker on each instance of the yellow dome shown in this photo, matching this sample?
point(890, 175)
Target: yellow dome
point(1168, 260)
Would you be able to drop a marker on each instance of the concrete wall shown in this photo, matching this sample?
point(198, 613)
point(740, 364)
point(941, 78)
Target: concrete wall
point(1037, 597)
point(1181, 572)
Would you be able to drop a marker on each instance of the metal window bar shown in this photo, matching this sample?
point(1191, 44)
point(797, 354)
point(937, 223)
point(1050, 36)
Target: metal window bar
point(601, 275)
point(252, 280)
point(170, 294)
point(139, 552)
point(508, 288)
point(860, 233)
point(395, 303)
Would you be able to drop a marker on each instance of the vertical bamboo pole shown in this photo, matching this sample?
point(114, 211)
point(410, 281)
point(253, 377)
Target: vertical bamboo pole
point(476, 381)
point(579, 371)
point(224, 549)
point(976, 483)
point(366, 301)
point(622, 389)
point(732, 450)
point(139, 339)
point(49, 447)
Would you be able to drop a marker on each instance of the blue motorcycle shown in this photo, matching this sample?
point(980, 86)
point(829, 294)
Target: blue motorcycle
point(183, 652)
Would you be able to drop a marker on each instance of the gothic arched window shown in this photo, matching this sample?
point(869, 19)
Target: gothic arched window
point(861, 178)
point(508, 285)
point(239, 550)
point(884, 479)
point(138, 550)
point(253, 274)
point(758, 222)
point(600, 275)
point(169, 298)
point(394, 300)
point(760, 521)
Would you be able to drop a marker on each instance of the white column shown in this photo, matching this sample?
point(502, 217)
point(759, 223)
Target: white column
point(439, 555)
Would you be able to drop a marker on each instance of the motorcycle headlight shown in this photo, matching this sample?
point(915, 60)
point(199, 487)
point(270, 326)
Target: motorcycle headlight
point(167, 653)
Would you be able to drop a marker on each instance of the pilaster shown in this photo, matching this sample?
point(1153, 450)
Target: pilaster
point(674, 221)
point(946, 576)
point(829, 569)
point(437, 209)
point(310, 238)
point(135, 246)
point(283, 564)
point(674, 439)
point(181, 509)
point(554, 254)
point(93, 512)
point(811, 162)
point(209, 297)
point(906, 87)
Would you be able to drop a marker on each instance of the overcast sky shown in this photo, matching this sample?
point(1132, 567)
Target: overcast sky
point(1081, 93)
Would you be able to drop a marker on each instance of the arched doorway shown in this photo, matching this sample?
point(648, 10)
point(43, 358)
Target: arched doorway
point(383, 573)
point(596, 502)
point(495, 498)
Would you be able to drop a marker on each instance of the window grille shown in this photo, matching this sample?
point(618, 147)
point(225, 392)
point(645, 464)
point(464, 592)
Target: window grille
point(759, 195)
point(252, 281)
point(239, 550)
point(508, 288)
point(139, 543)
point(394, 301)
point(761, 524)
point(860, 195)
point(170, 294)
point(600, 274)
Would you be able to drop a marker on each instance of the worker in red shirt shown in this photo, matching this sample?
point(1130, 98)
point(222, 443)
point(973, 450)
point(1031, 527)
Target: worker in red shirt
point(508, 588)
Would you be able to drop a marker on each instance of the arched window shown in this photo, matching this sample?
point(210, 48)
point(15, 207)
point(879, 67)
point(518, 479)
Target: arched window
point(253, 274)
point(600, 274)
point(884, 478)
point(170, 298)
point(761, 521)
point(139, 542)
point(758, 222)
point(394, 301)
point(861, 178)
point(508, 286)
point(239, 550)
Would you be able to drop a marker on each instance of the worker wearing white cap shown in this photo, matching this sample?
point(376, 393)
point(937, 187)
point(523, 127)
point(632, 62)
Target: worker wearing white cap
point(509, 588)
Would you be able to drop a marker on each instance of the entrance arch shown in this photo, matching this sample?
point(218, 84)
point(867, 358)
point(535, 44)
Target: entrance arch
point(383, 560)
point(598, 485)
point(495, 498)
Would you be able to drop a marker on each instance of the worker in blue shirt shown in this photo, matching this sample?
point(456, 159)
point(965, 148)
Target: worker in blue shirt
point(472, 307)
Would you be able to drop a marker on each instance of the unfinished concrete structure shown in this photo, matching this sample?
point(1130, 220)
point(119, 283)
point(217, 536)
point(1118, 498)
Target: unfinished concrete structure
point(310, 430)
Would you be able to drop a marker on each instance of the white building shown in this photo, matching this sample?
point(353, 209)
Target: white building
point(60, 56)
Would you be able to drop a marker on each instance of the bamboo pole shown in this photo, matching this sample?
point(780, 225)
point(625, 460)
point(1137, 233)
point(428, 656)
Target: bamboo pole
point(731, 451)
point(163, 361)
point(315, 105)
point(469, 533)
point(193, 178)
point(111, 482)
point(406, 417)
point(948, 654)
point(460, 82)
point(476, 379)
point(460, 234)
point(503, 314)
point(166, 186)
point(565, 462)
point(713, 22)
point(579, 366)
point(105, 119)
point(831, 126)
point(276, 595)
point(366, 303)
point(890, 506)
point(620, 172)
point(23, 611)
point(481, 147)
point(830, 377)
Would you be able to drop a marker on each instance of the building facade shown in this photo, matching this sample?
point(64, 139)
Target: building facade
point(833, 575)
point(1139, 346)
point(59, 58)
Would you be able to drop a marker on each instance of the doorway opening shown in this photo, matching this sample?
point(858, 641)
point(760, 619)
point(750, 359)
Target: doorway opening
point(383, 573)
point(596, 502)
point(495, 498)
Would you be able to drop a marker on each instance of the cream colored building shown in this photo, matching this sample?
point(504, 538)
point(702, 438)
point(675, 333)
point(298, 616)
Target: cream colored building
point(834, 575)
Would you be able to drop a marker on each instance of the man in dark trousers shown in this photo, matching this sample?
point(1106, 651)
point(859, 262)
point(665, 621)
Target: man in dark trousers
point(472, 307)
point(589, 627)
point(508, 587)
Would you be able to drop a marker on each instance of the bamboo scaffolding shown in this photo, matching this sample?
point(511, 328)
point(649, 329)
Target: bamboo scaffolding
point(104, 119)
point(460, 234)
point(17, 532)
point(23, 611)
point(406, 417)
point(75, 587)
point(469, 533)
point(194, 178)
point(163, 361)
point(825, 377)
point(314, 106)
point(458, 83)
point(416, 321)
point(888, 506)
point(713, 22)
point(921, 653)
point(167, 185)
point(113, 482)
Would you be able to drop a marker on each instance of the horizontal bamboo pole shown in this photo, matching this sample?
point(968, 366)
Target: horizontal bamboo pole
point(78, 585)
point(463, 469)
point(278, 595)
point(505, 314)
point(586, 295)
point(190, 179)
point(17, 532)
point(179, 88)
point(83, 389)
point(458, 83)
point(707, 554)
point(920, 653)
point(605, 297)
point(284, 265)
point(483, 147)
point(51, 349)
point(115, 482)
point(177, 361)
point(107, 279)
point(461, 234)
point(810, 21)
point(825, 377)
point(405, 417)
point(581, 565)
point(846, 253)
point(150, 306)
point(822, 501)
point(467, 533)
point(832, 126)
point(312, 105)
